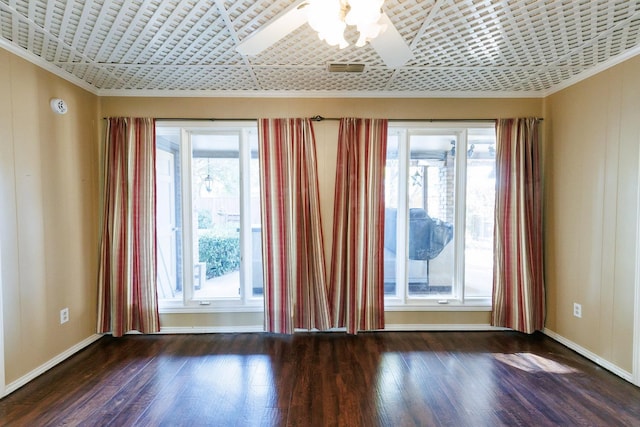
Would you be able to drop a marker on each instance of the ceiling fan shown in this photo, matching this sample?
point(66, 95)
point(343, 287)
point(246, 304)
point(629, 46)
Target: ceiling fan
point(389, 44)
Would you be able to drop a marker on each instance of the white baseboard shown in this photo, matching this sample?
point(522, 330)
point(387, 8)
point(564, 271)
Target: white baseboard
point(590, 355)
point(10, 388)
point(443, 327)
point(210, 329)
point(391, 327)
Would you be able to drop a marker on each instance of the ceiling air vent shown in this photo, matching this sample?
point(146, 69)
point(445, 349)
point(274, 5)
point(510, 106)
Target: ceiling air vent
point(345, 68)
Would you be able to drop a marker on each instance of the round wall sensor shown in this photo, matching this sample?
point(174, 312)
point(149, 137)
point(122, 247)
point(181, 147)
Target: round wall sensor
point(58, 106)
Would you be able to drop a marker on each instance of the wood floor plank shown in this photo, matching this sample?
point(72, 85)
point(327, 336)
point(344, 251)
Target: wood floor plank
point(325, 379)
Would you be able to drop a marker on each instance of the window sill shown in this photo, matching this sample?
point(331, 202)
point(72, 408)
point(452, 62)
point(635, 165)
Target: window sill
point(476, 304)
point(479, 305)
point(179, 308)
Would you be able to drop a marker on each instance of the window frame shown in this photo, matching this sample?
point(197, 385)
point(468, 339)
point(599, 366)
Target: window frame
point(456, 301)
point(190, 303)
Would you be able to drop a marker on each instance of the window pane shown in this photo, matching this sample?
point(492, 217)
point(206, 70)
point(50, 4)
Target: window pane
point(168, 222)
point(215, 186)
point(391, 187)
point(481, 184)
point(431, 214)
point(254, 206)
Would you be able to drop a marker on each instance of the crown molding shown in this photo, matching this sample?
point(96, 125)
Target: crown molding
point(593, 71)
point(312, 94)
point(38, 61)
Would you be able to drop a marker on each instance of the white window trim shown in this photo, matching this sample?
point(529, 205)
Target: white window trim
point(189, 304)
point(456, 301)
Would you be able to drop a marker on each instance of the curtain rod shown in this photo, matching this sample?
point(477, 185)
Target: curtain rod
point(320, 118)
point(316, 118)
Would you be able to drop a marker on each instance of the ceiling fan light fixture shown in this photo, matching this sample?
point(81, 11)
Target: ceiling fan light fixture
point(326, 18)
point(369, 32)
point(329, 19)
point(363, 12)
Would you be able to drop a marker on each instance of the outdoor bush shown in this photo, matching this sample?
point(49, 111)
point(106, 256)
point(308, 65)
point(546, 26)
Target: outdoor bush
point(220, 251)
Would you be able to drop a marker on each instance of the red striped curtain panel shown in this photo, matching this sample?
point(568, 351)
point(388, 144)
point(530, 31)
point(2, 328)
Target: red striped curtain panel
point(518, 287)
point(295, 292)
point(356, 286)
point(127, 275)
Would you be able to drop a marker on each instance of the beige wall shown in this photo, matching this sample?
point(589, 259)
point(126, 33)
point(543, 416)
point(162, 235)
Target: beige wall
point(326, 139)
point(48, 215)
point(593, 136)
point(448, 108)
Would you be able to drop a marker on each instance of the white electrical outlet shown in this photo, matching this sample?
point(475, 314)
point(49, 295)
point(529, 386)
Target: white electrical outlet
point(577, 309)
point(64, 315)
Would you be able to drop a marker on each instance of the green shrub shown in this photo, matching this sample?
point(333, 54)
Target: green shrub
point(221, 253)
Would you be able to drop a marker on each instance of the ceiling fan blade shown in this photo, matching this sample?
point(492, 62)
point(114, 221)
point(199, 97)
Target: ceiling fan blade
point(391, 46)
point(286, 22)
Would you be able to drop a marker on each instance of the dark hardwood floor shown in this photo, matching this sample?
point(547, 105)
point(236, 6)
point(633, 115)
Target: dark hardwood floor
point(326, 379)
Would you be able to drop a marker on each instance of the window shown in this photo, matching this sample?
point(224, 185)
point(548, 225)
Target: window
point(440, 188)
point(208, 216)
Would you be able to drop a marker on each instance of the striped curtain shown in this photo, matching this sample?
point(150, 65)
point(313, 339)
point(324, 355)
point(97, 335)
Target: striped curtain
point(356, 285)
point(295, 294)
point(518, 284)
point(127, 294)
